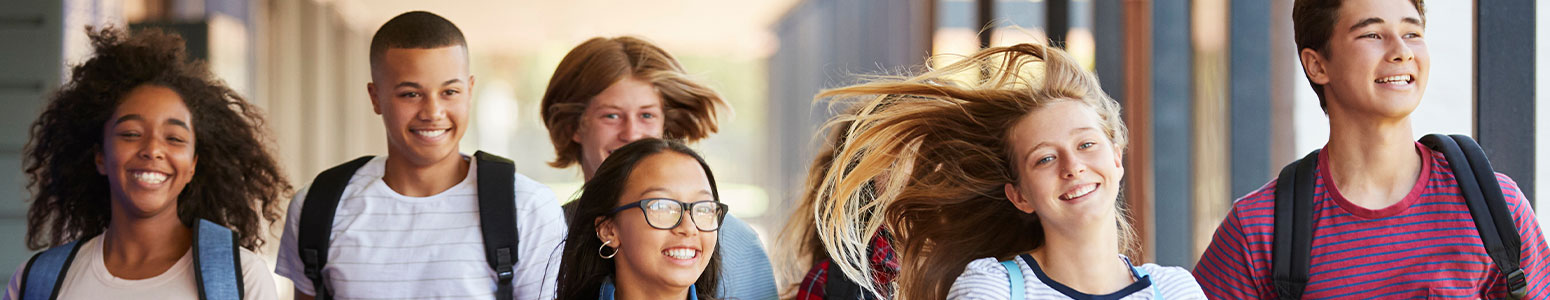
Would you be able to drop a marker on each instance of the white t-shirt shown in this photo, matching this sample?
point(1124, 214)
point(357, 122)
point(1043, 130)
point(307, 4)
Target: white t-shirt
point(986, 278)
point(387, 245)
point(88, 278)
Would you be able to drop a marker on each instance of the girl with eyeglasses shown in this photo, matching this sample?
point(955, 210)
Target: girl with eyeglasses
point(645, 227)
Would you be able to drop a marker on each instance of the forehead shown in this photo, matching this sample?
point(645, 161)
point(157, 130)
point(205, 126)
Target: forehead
point(1391, 11)
point(667, 174)
point(152, 102)
point(434, 63)
point(628, 92)
point(1055, 121)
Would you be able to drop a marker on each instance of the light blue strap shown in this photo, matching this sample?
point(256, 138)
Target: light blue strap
point(43, 275)
point(1014, 276)
point(215, 255)
point(1156, 290)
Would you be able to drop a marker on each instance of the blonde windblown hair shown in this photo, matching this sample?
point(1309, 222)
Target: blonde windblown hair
point(936, 146)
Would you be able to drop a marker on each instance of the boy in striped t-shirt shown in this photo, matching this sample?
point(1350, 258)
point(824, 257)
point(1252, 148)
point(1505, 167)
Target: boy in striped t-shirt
point(415, 224)
point(1389, 218)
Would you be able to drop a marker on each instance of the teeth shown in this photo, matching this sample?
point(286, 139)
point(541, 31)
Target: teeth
point(1080, 191)
point(430, 133)
point(681, 253)
point(150, 177)
point(1395, 78)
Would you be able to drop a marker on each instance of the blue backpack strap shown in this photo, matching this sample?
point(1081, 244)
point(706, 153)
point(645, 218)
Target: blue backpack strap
point(45, 272)
point(1141, 274)
point(1014, 276)
point(218, 267)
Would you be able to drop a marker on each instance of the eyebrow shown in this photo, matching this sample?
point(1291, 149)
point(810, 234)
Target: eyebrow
point(1375, 20)
point(653, 105)
point(665, 190)
point(137, 117)
point(127, 118)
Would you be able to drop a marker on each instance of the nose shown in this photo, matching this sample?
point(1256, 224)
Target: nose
point(431, 109)
point(1071, 167)
point(686, 226)
point(152, 150)
point(1399, 51)
point(634, 129)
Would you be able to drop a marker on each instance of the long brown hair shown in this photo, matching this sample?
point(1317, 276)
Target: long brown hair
point(799, 246)
point(950, 127)
point(689, 108)
point(238, 183)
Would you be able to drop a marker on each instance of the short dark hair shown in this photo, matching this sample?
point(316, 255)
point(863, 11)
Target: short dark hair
point(1313, 22)
point(582, 271)
point(415, 30)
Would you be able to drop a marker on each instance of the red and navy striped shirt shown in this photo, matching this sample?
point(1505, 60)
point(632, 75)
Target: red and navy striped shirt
point(1425, 246)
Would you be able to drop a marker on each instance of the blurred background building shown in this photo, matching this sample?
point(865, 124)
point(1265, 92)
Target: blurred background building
point(1212, 89)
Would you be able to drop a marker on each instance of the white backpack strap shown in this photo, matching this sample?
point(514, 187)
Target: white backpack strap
point(1014, 276)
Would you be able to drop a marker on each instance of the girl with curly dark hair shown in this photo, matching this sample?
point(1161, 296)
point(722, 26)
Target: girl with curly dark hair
point(134, 159)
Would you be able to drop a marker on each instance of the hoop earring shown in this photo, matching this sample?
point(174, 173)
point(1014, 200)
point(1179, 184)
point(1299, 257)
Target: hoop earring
point(605, 245)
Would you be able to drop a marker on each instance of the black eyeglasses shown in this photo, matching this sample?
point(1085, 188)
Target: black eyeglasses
point(665, 214)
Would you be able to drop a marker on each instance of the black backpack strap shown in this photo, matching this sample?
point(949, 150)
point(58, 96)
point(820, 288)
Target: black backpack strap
point(840, 287)
point(1487, 206)
point(317, 221)
point(217, 262)
point(45, 272)
point(498, 218)
point(1293, 240)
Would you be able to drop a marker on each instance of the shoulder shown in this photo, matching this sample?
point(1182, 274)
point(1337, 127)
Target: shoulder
point(983, 278)
point(1172, 280)
point(256, 279)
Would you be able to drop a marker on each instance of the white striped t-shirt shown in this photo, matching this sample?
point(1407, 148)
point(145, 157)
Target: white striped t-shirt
point(385, 245)
point(986, 278)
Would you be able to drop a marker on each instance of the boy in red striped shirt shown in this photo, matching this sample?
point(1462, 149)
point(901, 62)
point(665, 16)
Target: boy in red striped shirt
point(1389, 220)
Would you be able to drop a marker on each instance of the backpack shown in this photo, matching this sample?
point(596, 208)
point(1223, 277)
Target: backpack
point(497, 219)
point(217, 266)
point(1293, 239)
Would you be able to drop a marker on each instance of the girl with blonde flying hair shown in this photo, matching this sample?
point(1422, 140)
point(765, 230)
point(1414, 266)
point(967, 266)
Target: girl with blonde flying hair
point(1015, 169)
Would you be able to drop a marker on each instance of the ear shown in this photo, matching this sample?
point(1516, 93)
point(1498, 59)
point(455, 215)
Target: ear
point(575, 135)
point(1313, 66)
point(1119, 158)
point(97, 155)
point(1017, 199)
point(470, 86)
point(607, 231)
point(371, 91)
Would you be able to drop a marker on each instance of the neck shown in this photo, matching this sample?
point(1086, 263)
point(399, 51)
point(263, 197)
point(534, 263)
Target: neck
point(1373, 163)
point(422, 180)
point(139, 248)
point(628, 288)
point(1078, 260)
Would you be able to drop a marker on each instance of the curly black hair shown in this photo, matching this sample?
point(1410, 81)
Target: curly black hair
point(238, 180)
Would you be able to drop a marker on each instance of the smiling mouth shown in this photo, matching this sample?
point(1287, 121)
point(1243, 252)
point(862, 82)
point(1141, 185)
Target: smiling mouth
point(149, 177)
point(681, 253)
point(1396, 80)
point(1079, 191)
point(431, 133)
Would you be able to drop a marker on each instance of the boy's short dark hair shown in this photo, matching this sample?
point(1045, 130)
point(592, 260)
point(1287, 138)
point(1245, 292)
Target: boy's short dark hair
point(1313, 21)
point(415, 30)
